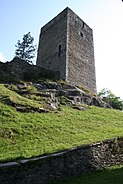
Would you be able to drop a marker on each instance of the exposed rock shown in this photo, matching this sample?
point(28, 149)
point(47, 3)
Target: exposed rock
point(72, 93)
point(80, 108)
point(31, 109)
point(51, 95)
point(54, 105)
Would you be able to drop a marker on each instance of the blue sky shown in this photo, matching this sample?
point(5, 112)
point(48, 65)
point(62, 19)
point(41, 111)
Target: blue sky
point(105, 17)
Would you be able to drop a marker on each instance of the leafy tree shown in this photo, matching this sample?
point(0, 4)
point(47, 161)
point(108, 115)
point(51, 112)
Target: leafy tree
point(114, 101)
point(25, 49)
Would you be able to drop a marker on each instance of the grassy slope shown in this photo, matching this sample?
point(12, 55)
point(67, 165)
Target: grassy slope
point(113, 175)
point(31, 134)
point(11, 96)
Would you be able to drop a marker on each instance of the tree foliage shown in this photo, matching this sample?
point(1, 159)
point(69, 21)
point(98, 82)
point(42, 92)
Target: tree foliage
point(25, 49)
point(114, 101)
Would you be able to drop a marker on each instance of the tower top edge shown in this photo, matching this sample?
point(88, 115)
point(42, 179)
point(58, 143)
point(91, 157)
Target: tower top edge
point(64, 13)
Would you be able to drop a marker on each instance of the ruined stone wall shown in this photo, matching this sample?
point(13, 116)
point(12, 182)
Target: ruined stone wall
point(52, 45)
point(81, 65)
point(18, 69)
point(72, 162)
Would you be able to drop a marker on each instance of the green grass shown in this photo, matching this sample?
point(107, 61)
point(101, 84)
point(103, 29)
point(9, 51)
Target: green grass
point(24, 135)
point(9, 96)
point(113, 175)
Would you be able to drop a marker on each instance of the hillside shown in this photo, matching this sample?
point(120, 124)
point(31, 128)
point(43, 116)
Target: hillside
point(35, 123)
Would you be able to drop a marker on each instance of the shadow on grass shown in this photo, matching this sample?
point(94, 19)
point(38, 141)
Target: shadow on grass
point(107, 176)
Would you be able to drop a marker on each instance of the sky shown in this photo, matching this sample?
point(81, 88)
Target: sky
point(105, 17)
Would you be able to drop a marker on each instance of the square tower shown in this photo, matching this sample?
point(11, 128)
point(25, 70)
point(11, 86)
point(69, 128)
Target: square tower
point(66, 45)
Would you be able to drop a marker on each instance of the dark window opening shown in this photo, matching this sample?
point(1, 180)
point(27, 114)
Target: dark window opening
point(59, 49)
point(81, 34)
point(83, 25)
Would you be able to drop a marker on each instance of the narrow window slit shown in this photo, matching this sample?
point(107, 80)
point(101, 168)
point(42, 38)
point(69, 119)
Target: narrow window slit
point(59, 49)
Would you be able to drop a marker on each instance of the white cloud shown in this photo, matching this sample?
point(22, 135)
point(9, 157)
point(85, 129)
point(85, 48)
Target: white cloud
point(2, 58)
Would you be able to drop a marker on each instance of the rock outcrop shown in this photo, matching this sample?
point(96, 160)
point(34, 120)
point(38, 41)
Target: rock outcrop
point(72, 94)
point(52, 95)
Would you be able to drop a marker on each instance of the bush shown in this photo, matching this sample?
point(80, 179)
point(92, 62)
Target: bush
point(114, 101)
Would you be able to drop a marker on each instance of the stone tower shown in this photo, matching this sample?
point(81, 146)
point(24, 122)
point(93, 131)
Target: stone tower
point(66, 45)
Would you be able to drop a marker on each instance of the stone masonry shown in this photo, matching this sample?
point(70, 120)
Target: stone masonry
point(66, 45)
point(73, 162)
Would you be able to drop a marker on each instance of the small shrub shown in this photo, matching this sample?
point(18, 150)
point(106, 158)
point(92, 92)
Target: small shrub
point(12, 87)
point(35, 97)
point(31, 89)
point(65, 101)
point(114, 101)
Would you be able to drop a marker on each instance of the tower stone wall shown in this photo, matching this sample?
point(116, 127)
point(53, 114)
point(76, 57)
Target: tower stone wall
point(81, 67)
point(66, 45)
point(53, 45)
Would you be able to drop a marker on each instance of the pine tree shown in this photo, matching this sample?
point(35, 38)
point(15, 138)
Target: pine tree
point(25, 49)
